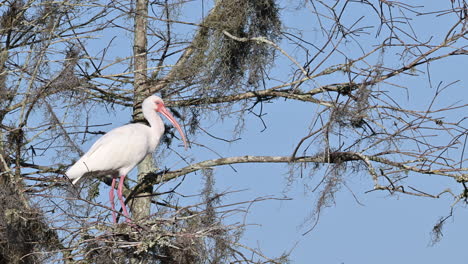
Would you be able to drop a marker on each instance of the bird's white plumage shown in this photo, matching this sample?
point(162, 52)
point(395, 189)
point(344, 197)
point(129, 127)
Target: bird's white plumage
point(122, 148)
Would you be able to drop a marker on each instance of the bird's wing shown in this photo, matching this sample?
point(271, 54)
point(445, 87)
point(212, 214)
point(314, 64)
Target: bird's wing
point(121, 147)
point(107, 139)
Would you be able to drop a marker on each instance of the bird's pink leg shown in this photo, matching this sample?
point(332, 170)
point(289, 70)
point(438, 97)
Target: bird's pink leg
point(111, 198)
point(119, 194)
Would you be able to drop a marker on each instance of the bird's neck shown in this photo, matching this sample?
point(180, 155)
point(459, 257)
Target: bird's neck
point(155, 121)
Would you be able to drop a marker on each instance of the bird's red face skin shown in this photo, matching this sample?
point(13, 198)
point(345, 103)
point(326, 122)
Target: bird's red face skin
point(158, 104)
point(159, 107)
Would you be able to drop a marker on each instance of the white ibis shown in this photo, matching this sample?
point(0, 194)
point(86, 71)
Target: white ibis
point(122, 148)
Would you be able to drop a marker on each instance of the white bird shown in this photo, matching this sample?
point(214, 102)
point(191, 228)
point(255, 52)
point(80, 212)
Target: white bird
point(122, 148)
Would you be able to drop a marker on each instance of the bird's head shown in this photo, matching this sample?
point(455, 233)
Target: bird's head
point(157, 104)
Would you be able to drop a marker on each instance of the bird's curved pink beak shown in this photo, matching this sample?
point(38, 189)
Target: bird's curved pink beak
point(163, 110)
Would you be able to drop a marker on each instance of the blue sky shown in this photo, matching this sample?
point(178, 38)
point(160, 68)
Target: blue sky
point(384, 229)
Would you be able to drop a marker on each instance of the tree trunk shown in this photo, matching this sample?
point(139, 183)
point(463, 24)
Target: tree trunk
point(141, 204)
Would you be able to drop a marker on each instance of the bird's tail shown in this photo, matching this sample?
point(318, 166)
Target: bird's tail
point(76, 171)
